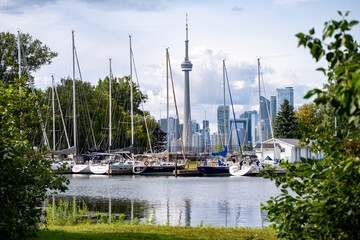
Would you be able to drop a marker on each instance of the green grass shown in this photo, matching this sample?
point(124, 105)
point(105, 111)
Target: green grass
point(128, 231)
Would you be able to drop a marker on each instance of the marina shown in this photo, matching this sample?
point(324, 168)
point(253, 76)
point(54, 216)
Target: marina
point(182, 201)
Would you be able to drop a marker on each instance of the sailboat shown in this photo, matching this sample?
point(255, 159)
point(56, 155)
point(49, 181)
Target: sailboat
point(249, 164)
point(68, 162)
point(53, 155)
point(217, 164)
point(85, 167)
point(103, 164)
point(111, 160)
point(154, 165)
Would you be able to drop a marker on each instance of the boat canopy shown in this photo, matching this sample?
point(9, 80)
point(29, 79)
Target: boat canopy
point(66, 151)
point(221, 153)
point(89, 156)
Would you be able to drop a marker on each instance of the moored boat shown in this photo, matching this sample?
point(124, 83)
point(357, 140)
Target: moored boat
point(214, 166)
point(248, 166)
point(156, 167)
point(81, 168)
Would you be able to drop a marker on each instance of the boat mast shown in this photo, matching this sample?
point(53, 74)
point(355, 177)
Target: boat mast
point(53, 111)
point(131, 102)
point(19, 53)
point(205, 133)
point(260, 126)
point(62, 118)
point(74, 107)
point(176, 109)
point(110, 78)
point(167, 103)
point(46, 140)
point(224, 102)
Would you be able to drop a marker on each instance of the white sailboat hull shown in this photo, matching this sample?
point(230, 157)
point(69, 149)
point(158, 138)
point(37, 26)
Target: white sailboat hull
point(98, 169)
point(243, 171)
point(81, 168)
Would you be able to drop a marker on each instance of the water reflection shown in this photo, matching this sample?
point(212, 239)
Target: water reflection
point(222, 201)
point(112, 207)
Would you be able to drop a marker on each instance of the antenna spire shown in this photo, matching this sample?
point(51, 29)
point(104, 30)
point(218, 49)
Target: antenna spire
point(187, 39)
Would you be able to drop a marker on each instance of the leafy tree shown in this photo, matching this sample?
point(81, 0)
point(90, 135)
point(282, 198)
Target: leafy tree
point(92, 108)
point(308, 116)
point(325, 198)
point(34, 55)
point(25, 175)
point(285, 122)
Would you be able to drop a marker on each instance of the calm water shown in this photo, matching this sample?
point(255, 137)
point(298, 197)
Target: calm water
point(185, 201)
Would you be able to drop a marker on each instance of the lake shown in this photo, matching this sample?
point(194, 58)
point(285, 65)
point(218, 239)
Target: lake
point(184, 201)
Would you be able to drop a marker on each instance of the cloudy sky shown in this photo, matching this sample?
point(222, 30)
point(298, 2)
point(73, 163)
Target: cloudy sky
point(236, 30)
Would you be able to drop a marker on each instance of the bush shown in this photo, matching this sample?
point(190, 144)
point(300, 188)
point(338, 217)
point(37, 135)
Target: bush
point(325, 198)
point(25, 175)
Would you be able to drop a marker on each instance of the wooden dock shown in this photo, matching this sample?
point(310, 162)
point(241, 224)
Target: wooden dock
point(66, 171)
point(119, 172)
point(188, 172)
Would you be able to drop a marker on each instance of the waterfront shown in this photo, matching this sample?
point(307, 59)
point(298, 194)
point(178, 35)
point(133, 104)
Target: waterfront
point(184, 201)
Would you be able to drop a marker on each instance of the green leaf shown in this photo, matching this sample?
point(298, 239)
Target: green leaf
point(329, 56)
point(353, 23)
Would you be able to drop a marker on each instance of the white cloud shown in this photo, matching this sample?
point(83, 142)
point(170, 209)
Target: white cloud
point(216, 33)
point(238, 85)
point(293, 1)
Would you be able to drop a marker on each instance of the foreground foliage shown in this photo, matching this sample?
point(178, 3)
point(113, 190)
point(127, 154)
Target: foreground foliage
point(325, 198)
point(25, 174)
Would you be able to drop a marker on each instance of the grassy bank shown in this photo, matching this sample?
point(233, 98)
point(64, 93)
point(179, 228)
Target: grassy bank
point(128, 231)
point(72, 220)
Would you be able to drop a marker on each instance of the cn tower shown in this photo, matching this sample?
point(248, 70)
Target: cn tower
point(186, 66)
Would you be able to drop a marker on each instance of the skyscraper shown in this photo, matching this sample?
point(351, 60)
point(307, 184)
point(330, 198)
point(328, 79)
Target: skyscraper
point(273, 107)
point(173, 129)
point(223, 123)
point(265, 120)
point(186, 66)
point(281, 94)
point(247, 115)
point(195, 127)
point(237, 129)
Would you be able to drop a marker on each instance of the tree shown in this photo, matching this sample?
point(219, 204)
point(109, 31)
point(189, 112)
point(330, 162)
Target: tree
point(325, 203)
point(25, 175)
point(34, 55)
point(92, 108)
point(308, 116)
point(285, 122)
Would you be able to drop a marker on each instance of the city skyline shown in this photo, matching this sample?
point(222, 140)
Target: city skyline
point(237, 32)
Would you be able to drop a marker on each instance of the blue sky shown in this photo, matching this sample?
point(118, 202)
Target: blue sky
point(238, 31)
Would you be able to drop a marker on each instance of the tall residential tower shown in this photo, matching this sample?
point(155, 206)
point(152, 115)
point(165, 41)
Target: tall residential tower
point(186, 66)
point(281, 94)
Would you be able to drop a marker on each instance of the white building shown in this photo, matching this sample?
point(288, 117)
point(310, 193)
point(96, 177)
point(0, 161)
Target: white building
point(287, 149)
